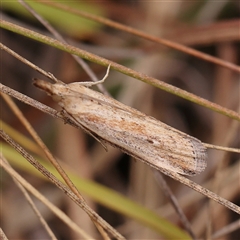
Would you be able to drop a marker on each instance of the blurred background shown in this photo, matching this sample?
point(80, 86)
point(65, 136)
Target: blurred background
point(211, 27)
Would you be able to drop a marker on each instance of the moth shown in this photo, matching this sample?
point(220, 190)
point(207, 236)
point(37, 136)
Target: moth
point(141, 136)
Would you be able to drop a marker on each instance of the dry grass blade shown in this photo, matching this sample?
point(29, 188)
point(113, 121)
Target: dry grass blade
point(191, 197)
point(81, 203)
point(27, 100)
point(203, 191)
point(25, 61)
point(58, 36)
point(6, 166)
point(140, 76)
point(217, 178)
point(38, 140)
point(2, 235)
point(172, 199)
point(149, 37)
point(226, 230)
point(45, 201)
point(227, 149)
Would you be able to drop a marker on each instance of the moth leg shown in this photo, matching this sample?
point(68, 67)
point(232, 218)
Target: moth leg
point(90, 84)
point(95, 137)
point(68, 116)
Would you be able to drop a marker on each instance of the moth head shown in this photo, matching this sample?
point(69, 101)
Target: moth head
point(48, 88)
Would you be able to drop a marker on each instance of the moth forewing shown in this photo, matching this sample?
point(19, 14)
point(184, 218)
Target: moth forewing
point(137, 134)
point(80, 89)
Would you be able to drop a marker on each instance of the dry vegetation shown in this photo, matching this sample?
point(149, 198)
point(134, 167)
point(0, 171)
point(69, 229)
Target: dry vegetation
point(134, 200)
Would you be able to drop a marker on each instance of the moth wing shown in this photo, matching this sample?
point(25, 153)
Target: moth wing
point(99, 97)
point(172, 151)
